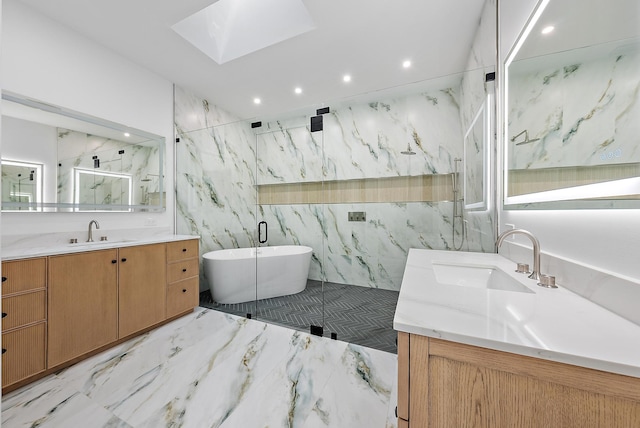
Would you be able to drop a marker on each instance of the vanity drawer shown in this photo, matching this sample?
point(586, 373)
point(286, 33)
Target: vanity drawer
point(182, 270)
point(23, 309)
point(23, 353)
point(180, 250)
point(23, 275)
point(182, 296)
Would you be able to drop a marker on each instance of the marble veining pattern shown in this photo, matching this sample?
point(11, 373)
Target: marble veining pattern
point(583, 113)
point(76, 150)
point(210, 369)
point(220, 165)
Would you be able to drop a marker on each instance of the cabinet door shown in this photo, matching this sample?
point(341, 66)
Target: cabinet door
point(23, 309)
point(22, 353)
point(182, 296)
point(181, 250)
point(142, 290)
point(23, 275)
point(83, 303)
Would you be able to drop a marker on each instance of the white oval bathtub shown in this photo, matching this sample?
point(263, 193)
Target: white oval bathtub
point(281, 270)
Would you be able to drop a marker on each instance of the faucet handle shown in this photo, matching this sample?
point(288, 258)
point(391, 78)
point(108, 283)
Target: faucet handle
point(547, 281)
point(522, 268)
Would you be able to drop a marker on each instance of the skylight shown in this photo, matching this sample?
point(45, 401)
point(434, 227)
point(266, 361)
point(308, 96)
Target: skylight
point(229, 29)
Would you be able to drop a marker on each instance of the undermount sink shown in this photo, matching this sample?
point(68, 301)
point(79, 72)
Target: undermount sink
point(98, 243)
point(476, 276)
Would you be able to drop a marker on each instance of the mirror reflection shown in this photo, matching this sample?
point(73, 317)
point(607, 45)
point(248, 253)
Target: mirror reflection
point(476, 159)
point(21, 185)
point(573, 110)
point(77, 162)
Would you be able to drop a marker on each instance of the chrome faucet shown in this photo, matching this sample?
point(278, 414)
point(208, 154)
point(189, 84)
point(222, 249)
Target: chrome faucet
point(536, 249)
point(90, 231)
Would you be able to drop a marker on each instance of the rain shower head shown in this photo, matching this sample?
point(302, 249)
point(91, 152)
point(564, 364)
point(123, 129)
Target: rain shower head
point(408, 151)
point(148, 178)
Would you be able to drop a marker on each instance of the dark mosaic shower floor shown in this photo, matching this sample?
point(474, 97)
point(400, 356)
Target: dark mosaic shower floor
point(359, 315)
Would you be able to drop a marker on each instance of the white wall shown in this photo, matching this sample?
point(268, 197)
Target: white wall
point(608, 240)
point(49, 62)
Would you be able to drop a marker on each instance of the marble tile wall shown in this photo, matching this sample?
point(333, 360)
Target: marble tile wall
point(76, 150)
point(215, 193)
point(583, 112)
point(371, 253)
point(219, 166)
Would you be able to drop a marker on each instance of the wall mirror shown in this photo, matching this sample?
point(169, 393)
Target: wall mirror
point(58, 160)
point(572, 108)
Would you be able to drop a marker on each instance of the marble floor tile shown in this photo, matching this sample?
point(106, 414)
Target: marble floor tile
point(210, 369)
point(50, 403)
point(358, 394)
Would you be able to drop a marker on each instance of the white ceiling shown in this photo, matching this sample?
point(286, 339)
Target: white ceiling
point(576, 26)
point(368, 39)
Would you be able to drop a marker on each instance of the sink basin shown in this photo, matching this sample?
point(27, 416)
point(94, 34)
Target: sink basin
point(487, 277)
point(99, 243)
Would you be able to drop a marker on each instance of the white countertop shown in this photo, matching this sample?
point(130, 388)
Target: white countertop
point(552, 324)
point(51, 250)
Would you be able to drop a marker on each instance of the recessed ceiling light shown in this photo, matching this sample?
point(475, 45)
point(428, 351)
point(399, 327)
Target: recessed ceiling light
point(298, 90)
point(257, 100)
point(126, 134)
point(406, 64)
point(346, 78)
point(548, 29)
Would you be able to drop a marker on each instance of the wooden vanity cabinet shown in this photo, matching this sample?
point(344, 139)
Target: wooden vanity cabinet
point(83, 303)
point(183, 276)
point(141, 287)
point(60, 309)
point(24, 318)
point(447, 384)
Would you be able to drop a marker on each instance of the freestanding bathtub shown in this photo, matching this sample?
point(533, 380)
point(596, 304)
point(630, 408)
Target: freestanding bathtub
point(281, 270)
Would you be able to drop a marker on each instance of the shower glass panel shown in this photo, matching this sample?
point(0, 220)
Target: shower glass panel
point(290, 220)
point(216, 199)
point(371, 217)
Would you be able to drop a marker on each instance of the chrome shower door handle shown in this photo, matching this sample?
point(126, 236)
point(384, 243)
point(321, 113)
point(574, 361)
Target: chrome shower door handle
point(266, 236)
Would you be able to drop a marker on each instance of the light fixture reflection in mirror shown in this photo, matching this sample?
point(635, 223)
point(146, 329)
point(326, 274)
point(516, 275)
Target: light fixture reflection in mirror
point(107, 189)
point(572, 109)
point(21, 185)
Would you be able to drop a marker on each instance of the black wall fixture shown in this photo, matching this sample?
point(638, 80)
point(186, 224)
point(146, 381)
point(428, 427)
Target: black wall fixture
point(324, 110)
point(96, 162)
point(256, 125)
point(490, 77)
point(316, 123)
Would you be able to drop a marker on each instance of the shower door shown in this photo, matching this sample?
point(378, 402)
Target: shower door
point(289, 217)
